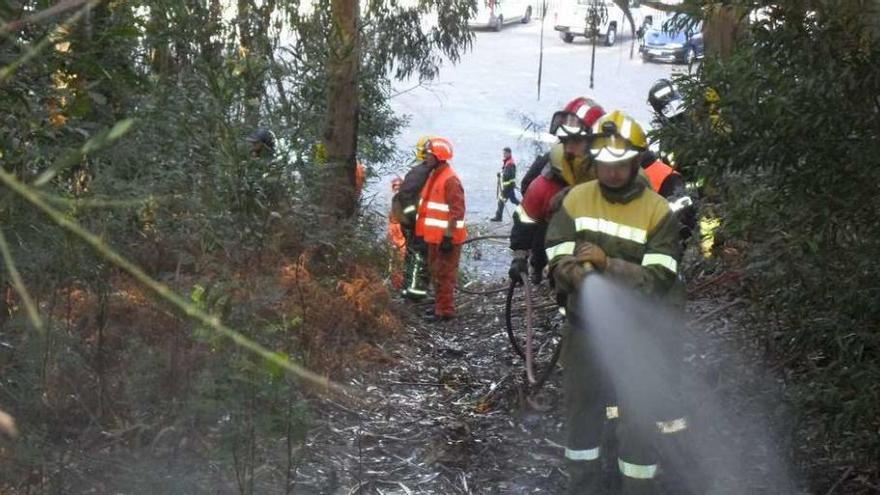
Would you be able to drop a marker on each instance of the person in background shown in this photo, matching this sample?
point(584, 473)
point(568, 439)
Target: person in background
point(405, 204)
point(506, 183)
point(262, 142)
point(666, 179)
point(360, 178)
point(567, 163)
point(440, 223)
point(397, 240)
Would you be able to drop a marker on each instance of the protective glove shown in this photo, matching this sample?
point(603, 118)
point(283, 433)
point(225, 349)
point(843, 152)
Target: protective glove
point(568, 274)
point(446, 244)
point(518, 268)
point(591, 253)
point(498, 174)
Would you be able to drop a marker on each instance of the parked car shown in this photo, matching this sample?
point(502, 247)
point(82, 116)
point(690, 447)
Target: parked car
point(571, 19)
point(685, 46)
point(494, 14)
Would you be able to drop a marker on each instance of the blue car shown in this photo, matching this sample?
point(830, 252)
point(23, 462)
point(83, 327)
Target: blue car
point(681, 46)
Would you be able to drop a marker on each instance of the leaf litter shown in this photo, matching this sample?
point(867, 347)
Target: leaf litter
point(451, 415)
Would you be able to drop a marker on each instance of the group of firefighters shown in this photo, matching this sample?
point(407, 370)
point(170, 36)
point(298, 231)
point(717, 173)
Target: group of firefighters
point(427, 217)
point(600, 201)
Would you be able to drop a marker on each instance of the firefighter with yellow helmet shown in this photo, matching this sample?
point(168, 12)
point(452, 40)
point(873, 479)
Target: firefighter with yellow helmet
point(618, 226)
point(404, 206)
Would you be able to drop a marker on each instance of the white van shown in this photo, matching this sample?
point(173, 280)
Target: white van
point(494, 14)
point(571, 19)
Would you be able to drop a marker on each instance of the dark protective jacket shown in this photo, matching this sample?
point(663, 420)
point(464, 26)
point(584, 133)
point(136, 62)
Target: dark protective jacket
point(635, 228)
point(508, 175)
point(535, 210)
point(406, 202)
point(534, 170)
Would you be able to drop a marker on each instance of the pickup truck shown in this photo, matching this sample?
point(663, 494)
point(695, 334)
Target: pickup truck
point(571, 19)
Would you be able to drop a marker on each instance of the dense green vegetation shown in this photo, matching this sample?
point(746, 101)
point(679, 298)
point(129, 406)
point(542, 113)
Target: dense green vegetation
point(792, 146)
point(130, 119)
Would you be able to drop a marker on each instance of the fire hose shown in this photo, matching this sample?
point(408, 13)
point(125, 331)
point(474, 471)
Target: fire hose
point(530, 372)
point(526, 351)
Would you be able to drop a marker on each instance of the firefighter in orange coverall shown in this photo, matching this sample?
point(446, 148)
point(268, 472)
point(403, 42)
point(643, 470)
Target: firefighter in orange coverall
point(441, 224)
point(397, 240)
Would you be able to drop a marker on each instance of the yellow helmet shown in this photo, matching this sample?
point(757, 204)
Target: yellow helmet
point(618, 138)
point(420, 146)
point(712, 95)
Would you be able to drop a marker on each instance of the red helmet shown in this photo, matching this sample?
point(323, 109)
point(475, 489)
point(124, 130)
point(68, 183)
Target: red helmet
point(576, 118)
point(440, 147)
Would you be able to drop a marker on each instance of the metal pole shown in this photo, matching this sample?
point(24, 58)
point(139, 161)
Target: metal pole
point(541, 54)
point(593, 61)
point(593, 15)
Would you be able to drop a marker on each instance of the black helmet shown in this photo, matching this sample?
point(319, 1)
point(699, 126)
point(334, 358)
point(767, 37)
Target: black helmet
point(665, 99)
point(263, 135)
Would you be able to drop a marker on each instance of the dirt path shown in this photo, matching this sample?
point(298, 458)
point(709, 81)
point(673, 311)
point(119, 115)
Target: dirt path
point(452, 420)
point(450, 416)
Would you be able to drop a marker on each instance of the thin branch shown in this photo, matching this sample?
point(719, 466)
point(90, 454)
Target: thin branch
point(60, 7)
point(31, 308)
point(35, 49)
point(711, 314)
point(106, 203)
point(484, 237)
point(840, 480)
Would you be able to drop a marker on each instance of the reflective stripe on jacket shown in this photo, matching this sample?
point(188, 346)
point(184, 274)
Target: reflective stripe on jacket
point(641, 233)
point(441, 202)
point(407, 198)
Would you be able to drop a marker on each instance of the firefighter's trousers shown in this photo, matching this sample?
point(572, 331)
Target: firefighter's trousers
point(589, 392)
point(444, 275)
point(538, 258)
point(679, 469)
point(506, 193)
point(416, 276)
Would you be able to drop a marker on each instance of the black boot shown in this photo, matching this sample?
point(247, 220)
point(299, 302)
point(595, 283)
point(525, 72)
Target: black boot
point(498, 212)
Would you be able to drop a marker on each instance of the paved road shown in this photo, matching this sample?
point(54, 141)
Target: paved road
point(481, 102)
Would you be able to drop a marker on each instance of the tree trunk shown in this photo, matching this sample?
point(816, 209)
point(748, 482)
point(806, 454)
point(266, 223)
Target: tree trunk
point(248, 51)
point(161, 62)
point(341, 126)
point(722, 29)
point(211, 49)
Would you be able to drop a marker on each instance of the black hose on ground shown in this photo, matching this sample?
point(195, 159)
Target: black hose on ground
point(482, 292)
point(536, 381)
